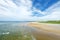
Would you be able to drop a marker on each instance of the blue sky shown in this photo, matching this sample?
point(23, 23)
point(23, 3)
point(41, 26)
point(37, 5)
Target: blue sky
point(43, 4)
point(27, 10)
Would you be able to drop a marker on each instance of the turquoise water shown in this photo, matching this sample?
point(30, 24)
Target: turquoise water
point(15, 31)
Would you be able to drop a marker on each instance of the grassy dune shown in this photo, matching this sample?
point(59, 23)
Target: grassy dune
point(53, 22)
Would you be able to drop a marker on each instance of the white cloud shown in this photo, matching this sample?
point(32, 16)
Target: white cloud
point(13, 11)
point(53, 13)
point(24, 11)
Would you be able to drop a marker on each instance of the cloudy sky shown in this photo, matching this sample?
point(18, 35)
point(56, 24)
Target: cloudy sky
point(29, 10)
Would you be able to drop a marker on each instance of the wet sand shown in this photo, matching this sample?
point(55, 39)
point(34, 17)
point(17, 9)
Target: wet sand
point(42, 31)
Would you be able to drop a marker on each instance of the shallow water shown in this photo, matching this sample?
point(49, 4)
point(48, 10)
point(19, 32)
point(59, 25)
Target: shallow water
point(15, 31)
point(20, 31)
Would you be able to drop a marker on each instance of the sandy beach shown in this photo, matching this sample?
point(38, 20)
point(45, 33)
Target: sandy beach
point(46, 27)
point(45, 31)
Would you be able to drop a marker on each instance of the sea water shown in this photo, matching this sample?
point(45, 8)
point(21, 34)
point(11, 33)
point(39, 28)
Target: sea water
point(15, 31)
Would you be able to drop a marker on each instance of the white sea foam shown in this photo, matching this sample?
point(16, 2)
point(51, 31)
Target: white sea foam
point(6, 33)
